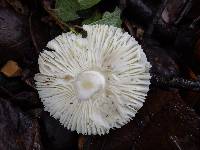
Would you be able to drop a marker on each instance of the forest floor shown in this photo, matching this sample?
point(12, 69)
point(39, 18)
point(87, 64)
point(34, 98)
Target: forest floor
point(169, 32)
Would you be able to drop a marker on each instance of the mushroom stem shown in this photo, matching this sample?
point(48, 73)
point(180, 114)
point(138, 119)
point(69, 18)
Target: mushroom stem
point(175, 82)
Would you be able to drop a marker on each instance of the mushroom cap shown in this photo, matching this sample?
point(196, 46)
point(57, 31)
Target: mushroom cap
point(96, 83)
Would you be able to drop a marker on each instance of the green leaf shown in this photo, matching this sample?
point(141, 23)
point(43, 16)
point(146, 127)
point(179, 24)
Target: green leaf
point(84, 4)
point(96, 16)
point(112, 18)
point(66, 9)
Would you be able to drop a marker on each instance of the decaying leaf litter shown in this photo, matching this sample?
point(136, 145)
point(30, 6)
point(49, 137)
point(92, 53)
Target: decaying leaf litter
point(169, 34)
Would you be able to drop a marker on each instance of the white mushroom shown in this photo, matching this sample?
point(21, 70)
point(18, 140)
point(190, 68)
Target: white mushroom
point(96, 83)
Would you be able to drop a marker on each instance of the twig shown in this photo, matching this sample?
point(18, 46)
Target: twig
point(174, 140)
point(185, 10)
point(195, 22)
point(32, 35)
point(175, 82)
point(61, 24)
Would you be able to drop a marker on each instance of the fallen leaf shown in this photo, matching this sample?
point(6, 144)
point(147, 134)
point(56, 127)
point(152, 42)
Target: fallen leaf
point(57, 137)
point(164, 122)
point(95, 17)
point(11, 69)
point(18, 6)
point(66, 9)
point(162, 63)
point(110, 18)
point(17, 130)
point(84, 4)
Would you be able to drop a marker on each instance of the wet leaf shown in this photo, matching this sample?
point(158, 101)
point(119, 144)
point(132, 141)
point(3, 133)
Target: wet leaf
point(162, 63)
point(175, 126)
point(110, 18)
point(18, 6)
point(25, 100)
point(14, 85)
point(138, 12)
point(55, 136)
point(164, 122)
point(18, 92)
point(14, 35)
point(17, 130)
point(84, 4)
point(66, 9)
point(174, 10)
point(95, 17)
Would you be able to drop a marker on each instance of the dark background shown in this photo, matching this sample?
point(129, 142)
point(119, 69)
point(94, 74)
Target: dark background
point(169, 32)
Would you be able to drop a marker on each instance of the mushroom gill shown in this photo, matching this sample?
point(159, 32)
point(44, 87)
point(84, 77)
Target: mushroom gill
point(96, 83)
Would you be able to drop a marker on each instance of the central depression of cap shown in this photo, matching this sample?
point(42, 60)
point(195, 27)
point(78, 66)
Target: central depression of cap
point(88, 83)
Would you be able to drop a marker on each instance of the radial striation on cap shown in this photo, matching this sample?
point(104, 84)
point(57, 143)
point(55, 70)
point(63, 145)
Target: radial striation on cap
point(96, 83)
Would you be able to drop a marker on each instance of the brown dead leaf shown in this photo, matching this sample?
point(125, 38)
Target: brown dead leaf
point(11, 69)
point(18, 130)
